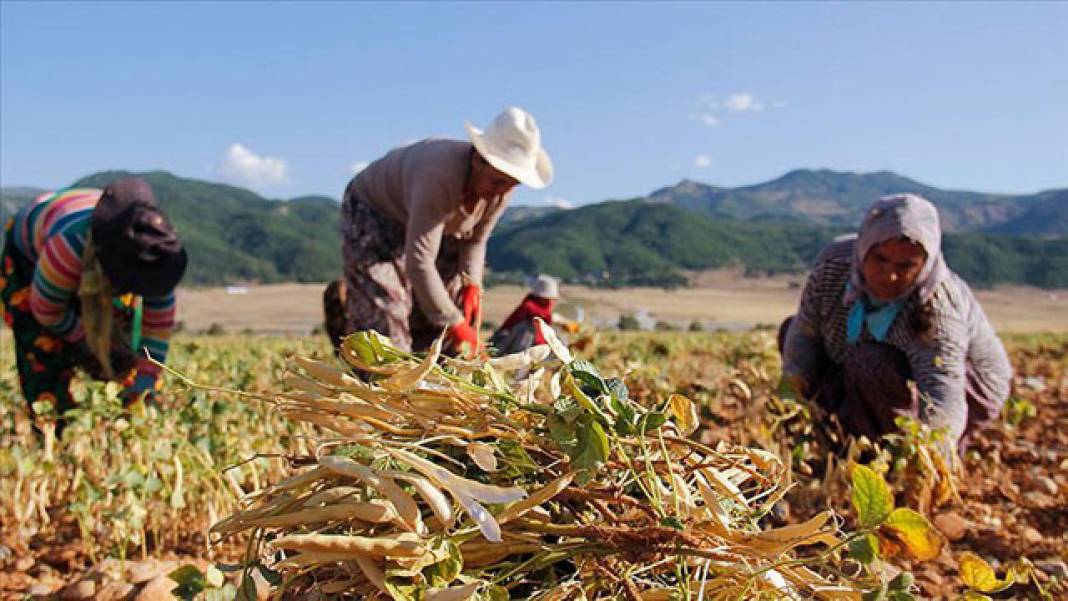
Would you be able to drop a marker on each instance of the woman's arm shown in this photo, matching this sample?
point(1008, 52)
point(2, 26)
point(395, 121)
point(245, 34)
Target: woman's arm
point(427, 213)
point(56, 277)
point(938, 367)
point(803, 350)
point(157, 324)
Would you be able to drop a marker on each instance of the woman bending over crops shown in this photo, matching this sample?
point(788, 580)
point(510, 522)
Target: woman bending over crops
point(414, 226)
point(87, 280)
point(884, 329)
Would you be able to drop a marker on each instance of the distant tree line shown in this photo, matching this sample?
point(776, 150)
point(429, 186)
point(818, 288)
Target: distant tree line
point(235, 235)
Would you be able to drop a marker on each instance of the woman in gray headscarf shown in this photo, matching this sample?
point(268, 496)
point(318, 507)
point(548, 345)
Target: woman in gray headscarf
point(882, 310)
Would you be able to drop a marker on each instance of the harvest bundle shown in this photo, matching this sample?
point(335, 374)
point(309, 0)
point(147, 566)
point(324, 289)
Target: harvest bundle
point(525, 476)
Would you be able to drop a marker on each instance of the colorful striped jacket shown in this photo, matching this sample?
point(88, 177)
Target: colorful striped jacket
point(52, 232)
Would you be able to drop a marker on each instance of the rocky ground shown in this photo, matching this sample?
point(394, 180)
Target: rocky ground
point(1015, 489)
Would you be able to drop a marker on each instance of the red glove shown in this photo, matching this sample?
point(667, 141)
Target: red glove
point(471, 301)
point(462, 335)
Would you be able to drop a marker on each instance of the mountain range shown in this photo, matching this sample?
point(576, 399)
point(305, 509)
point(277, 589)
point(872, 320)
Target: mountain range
point(236, 235)
point(839, 199)
point(233, 234)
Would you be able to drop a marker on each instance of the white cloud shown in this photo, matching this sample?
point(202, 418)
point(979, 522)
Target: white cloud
point(702, 161)
point(708, 119)
point(560, 203)
point(358, 166)
point(741, 103)
point(712, 106)
point(244, 166)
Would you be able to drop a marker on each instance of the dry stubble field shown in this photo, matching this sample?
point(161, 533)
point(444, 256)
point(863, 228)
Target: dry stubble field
point(723, 302)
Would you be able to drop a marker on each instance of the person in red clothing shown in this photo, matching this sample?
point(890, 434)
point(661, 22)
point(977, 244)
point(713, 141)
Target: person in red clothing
point(518, 332)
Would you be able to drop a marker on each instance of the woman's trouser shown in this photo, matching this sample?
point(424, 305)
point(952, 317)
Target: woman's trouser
point(871, 388)
point(375, 291)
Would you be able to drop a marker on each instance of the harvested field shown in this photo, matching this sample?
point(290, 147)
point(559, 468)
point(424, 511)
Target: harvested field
point(108, 489)
point(725, 302)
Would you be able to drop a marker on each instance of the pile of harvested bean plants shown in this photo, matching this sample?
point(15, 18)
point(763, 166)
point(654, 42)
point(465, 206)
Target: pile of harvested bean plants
point(528, 476)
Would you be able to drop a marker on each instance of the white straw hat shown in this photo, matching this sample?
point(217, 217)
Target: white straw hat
point(512, 144)
point(546, 287)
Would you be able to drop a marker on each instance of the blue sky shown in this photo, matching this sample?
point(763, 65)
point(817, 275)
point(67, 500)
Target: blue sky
point(287, 98)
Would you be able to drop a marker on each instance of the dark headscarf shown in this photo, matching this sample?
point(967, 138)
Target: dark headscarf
point(137, 246)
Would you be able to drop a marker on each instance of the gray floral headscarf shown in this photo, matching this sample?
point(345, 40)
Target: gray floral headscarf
point(901, 216)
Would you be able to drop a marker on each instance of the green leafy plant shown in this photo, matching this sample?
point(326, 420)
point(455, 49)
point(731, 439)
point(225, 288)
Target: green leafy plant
point(1017, 410)
point(884, 531)
point(202, 586)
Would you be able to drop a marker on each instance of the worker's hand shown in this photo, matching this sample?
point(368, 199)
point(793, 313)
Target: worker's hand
point(122, 358)
point(471, 301)
point(462, 339)
point(792, 387)
point(85, 359)
point(142, 387)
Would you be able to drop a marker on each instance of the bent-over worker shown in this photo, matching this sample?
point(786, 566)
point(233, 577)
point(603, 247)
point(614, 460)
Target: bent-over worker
point(414, 226)
point(885, 329)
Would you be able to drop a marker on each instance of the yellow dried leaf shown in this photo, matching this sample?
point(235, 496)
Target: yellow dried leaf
point(720, 522)
point(685, 413)
point(723, 485)
point(978, 575)
point(764, 460)
point(775, 542)
point(918, 538)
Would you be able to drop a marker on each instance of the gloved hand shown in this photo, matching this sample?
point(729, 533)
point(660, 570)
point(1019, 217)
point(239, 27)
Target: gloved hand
point(462, 339)
point(471, 303)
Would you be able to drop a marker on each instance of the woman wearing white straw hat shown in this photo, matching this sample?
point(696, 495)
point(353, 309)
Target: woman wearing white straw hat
point(415, 224)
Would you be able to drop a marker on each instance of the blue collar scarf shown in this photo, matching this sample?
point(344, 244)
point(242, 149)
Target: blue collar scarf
point(877, 317)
